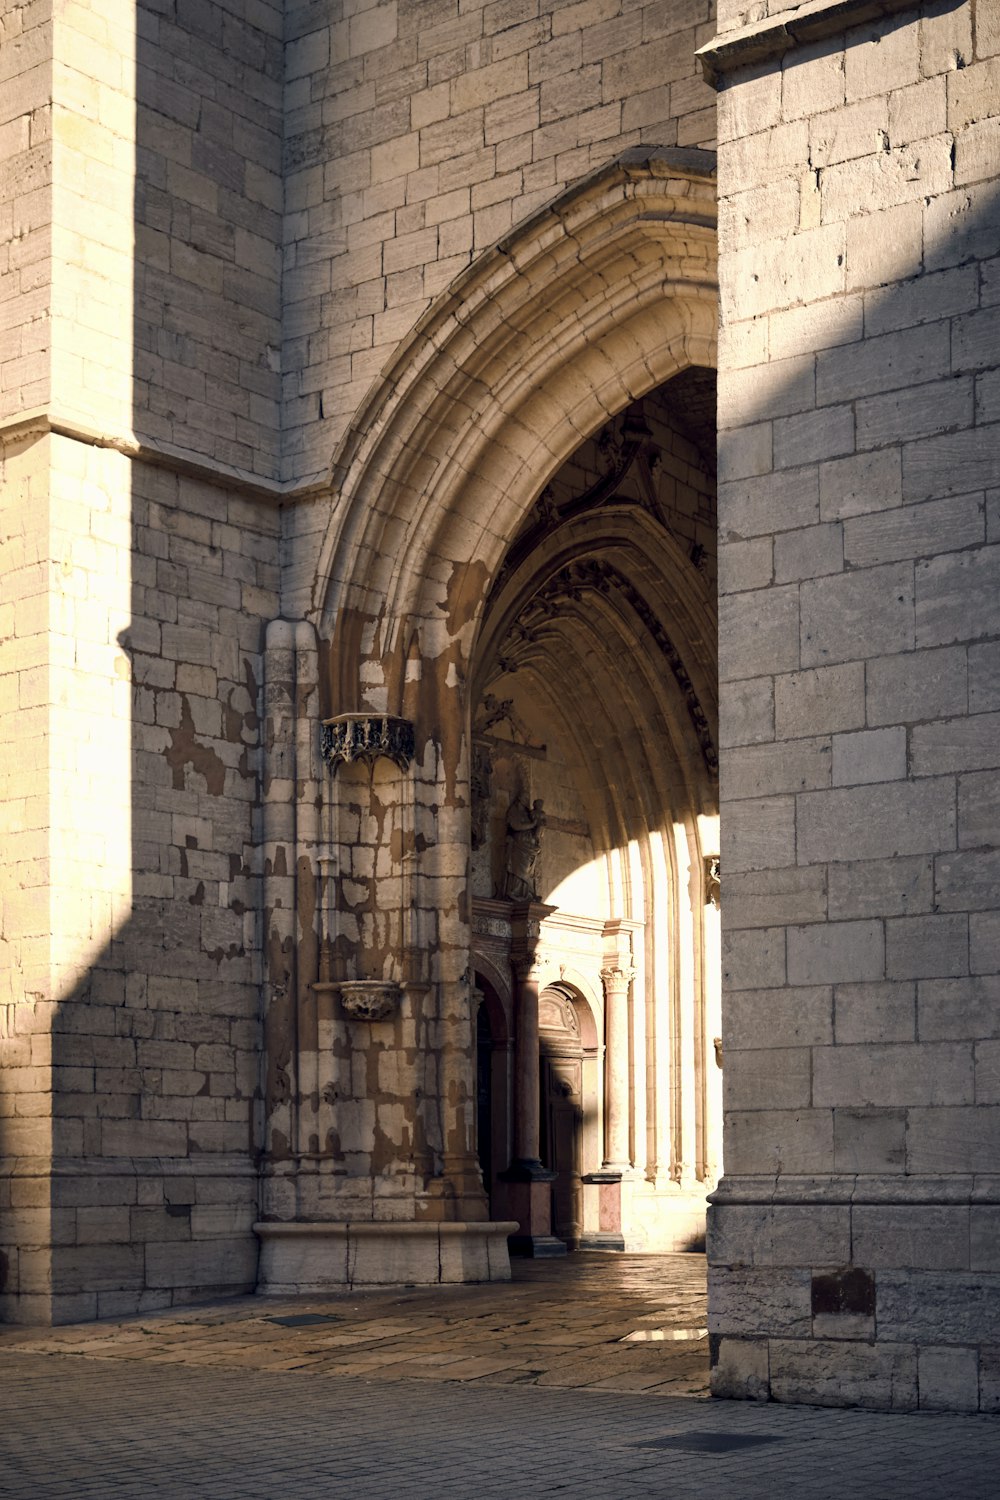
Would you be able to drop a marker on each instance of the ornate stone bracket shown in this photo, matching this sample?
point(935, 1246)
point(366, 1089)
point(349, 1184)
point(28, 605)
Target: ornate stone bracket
point(366, 737)
point(526, 918)
point(368, 999)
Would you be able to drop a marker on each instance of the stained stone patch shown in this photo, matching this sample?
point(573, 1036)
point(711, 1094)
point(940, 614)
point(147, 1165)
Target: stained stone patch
point(710, 1442)
point(305, 1320)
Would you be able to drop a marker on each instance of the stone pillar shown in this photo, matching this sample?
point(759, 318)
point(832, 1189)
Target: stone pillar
point(526, 1066)
point(384, 1188)
point(616, 983)
point(616, 976)
point(529, 1182)
point(850, 1261)
point(464, 1194)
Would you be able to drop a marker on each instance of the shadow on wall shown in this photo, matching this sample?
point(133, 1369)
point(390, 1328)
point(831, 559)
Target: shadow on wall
point(859, 568)
point(155, 1041)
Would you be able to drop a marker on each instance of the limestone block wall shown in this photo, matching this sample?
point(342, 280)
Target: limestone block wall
point(208, 202)
point(135, 599)
point(418, 132)
point(140, 223)
point(854, 1246)
point(25, 205)
point(132, 974)
point(25, 1125)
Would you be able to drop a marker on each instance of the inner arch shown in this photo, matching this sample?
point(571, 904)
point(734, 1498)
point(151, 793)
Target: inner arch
point(594, 700)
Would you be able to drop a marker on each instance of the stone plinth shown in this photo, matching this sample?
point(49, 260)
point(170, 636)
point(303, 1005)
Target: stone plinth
point(299, 1258)
point(603, 1196)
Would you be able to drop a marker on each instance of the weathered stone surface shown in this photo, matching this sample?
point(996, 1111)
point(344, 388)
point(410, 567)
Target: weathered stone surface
point(949, 1379)
point(836, 1373)
point(934, 1238)
point(768, 1235)
point(918, 1304)
point(779, 1141)
point(869, 1140)
point(755, 1301)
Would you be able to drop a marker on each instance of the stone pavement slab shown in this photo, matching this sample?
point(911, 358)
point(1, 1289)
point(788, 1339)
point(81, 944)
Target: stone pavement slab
point(558, 1323)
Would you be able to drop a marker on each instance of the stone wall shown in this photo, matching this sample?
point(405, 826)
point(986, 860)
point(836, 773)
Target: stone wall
point(418, 133)
point(854, 1245)
point(208, 207)
point(135, 598)
point(25, 206)
point(130, 917)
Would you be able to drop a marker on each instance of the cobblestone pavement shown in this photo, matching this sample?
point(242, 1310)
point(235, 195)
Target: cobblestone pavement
point(222, 1401)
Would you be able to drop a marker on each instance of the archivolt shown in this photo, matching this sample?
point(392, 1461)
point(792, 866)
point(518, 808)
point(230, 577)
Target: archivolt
point(585, 307)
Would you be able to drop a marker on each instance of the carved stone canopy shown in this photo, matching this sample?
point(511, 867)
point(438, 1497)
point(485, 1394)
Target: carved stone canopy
point(366, 737)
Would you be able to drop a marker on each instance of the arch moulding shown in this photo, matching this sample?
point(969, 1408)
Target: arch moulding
point(588, 305)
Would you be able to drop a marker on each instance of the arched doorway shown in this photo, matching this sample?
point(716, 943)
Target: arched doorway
point(588, 729)
point(584, 310)
point(569, 1093)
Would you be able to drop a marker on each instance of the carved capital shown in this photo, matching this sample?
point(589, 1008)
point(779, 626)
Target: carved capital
point(366, 737)
point(368, 999)
point(617, 980)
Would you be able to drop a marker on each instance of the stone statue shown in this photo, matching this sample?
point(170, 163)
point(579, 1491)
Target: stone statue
point(524, 828)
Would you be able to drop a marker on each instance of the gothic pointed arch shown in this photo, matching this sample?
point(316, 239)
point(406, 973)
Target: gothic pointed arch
point(592, 302)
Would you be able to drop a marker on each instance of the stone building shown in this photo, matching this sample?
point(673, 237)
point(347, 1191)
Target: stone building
point(384, 598)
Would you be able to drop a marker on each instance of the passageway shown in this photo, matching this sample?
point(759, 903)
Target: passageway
point(595, 842)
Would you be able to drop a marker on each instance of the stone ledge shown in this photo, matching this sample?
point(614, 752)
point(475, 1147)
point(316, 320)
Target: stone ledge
point(856, 1190)
point(40, 422)
point(771, 38)
point(221, 1164)
point(317, 1257)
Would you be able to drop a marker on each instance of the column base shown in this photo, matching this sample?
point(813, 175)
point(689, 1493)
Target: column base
point(538, 1246)
point(602, 1241)
point(529, 1196)
point(607, 1185)
point(297, 1258)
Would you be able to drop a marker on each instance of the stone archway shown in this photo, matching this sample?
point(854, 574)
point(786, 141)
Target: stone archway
point(594, 700)
point(592, 303)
